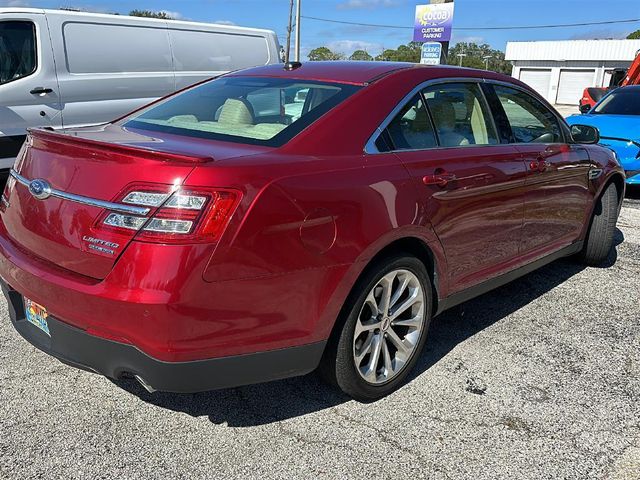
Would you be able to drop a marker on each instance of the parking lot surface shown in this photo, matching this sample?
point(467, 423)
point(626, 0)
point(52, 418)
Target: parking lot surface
point(538, 379)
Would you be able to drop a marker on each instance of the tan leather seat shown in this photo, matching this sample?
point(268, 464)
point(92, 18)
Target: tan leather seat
point(235, 111)
point(444, 117)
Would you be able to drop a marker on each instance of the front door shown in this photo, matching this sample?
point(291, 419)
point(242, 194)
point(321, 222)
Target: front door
point(557, 183)
point(470, 185)
point(28, 85)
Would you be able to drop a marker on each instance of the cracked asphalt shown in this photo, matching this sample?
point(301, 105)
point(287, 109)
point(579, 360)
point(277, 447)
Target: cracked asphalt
point(538, 379)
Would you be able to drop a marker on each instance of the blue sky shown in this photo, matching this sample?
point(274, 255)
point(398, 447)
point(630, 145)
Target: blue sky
point(272, 14)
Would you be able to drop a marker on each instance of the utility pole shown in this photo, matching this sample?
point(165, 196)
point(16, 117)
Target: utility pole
point(287, 52)
point(297, 55)
point(461, 56)
point(445, 45)
point(486, 59)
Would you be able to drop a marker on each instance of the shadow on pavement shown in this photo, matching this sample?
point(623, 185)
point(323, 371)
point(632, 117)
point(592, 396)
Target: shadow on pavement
point(271, 402)
point(632, 192)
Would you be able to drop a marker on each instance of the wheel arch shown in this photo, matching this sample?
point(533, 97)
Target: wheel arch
point(411, 245)
point(619, 182)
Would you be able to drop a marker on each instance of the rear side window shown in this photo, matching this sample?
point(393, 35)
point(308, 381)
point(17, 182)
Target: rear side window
point(530, 120)
point(217, 52)
point(460, 115)
point(263, 111)
point(411, 129)
point(99, 48)
point(17, 50)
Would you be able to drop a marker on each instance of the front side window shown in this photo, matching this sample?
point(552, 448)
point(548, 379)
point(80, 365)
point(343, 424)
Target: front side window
point(460, 115)
point(411, 129)
point(530, 121)
point(267, 111)
point(17, 50)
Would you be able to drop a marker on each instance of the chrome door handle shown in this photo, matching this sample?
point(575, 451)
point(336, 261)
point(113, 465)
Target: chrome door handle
point(441, 180)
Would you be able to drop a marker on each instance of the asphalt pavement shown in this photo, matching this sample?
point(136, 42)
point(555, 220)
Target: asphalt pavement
point(539, 379)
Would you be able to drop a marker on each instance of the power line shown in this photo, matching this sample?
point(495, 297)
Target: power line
point(521, 27)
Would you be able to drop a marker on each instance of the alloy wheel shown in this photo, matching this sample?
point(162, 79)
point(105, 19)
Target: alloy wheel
point(389, 326)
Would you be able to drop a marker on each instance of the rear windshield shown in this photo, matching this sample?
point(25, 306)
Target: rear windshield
point(257, 110)
point(625, 101)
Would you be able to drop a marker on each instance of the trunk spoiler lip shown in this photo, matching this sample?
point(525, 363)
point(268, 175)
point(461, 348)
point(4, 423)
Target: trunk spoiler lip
point(145, 152)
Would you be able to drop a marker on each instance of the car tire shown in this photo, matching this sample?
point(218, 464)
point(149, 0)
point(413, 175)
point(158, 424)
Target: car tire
point(393, 340)
point(599, 240)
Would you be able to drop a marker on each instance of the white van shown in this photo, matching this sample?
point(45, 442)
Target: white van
point(64, 69)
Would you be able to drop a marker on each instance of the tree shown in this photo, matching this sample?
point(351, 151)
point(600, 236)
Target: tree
point(150, 14)
point(361, 55)
point(634, 35)
point(323, 53)
point(404, 53)
point(387, 55)
point(479, 56)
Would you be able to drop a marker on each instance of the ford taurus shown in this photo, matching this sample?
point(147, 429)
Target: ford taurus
point(281, 219)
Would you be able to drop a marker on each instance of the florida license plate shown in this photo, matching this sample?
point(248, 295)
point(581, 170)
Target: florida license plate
point(37, 315)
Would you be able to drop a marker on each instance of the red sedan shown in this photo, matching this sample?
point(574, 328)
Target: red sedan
point(279, 219)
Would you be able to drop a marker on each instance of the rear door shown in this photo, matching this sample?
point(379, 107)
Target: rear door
point(471, 186)
point(29, 95)
point(201, 52)
point(557, 185)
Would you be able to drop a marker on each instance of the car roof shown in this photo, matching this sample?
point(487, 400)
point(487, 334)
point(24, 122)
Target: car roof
point(349, 72)
point(364, 73)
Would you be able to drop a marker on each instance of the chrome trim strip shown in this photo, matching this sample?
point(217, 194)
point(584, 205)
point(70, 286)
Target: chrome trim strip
point(92, 202)
point(370, 146)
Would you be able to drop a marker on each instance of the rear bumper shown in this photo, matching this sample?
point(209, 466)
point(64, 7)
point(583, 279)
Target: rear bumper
point(80, 349)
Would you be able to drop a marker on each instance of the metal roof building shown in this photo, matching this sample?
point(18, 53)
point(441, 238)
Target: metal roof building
point(561, 70)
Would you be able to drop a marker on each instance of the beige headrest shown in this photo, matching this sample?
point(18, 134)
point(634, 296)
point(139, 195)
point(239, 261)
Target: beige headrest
point(444, 114)
point(236, 112)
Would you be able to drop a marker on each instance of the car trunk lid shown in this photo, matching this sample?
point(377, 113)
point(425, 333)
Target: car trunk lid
point(66, 231)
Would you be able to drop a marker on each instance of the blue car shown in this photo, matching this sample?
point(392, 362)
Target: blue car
point(617, 117)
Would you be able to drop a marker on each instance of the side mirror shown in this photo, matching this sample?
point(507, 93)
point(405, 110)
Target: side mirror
point(585, 108)
point(585, 134)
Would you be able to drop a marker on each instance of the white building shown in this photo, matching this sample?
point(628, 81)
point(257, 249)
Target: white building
point(561, 70)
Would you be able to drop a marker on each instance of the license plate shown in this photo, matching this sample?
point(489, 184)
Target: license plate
point(37, 315)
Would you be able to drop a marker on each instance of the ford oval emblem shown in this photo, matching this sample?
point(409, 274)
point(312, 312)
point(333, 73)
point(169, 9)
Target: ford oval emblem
point(40, 189)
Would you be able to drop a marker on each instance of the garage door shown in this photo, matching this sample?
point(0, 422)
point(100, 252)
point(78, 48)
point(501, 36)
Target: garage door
point(537, 79)
point(572, 84)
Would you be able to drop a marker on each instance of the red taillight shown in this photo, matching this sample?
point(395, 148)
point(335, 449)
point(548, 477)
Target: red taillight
point(181, 215)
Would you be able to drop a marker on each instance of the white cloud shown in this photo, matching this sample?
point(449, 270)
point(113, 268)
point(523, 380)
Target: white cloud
point(599, 33)
point(15, 3)
point(366, 4)
point(347, 47)
point(467, 39)
point(174, 15)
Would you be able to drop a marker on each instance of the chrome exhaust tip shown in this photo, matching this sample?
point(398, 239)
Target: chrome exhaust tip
point(142, 382)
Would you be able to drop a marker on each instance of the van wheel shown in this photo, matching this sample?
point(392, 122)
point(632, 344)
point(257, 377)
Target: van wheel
point(384, 331)
point(599, 239)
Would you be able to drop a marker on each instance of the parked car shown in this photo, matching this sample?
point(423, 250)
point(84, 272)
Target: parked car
point(620, 77)
point(198, 244)
point(617, 117)
point(65, 69)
